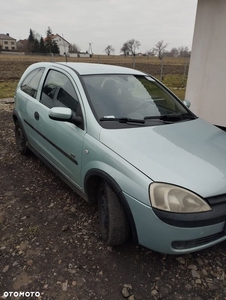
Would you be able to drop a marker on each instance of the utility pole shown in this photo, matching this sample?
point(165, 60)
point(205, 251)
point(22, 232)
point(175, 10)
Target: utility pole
point(90, 51)
point(64, 48)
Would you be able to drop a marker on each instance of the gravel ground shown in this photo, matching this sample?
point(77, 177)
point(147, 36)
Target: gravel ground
point(50, 246)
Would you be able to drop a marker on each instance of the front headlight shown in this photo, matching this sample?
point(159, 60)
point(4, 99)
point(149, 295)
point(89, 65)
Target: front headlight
point(172, 198)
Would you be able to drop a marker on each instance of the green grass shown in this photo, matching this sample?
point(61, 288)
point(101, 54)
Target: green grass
point(180, 93)
point(176, 83)
point(7, 88)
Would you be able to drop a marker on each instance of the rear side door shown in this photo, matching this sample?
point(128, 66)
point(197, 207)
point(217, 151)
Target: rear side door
point(60, 143)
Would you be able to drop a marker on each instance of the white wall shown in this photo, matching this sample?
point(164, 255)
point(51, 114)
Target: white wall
point(62, 44)
point(206, 87)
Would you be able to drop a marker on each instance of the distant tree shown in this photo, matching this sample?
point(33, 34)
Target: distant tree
point(184, 51)
point(37, 36)
point(74, 48)
point(130, 47)
point(109, 49)
point(125, 49)
point(133, 46)
point(36, 46)
point(150, 53)
point(30, 41)
point(50, 44)
point(178, 52)
point(159, 49)
point(42, 47)
point(31, 36)
point(55, 49)
point(49, 40)
point(174, 52)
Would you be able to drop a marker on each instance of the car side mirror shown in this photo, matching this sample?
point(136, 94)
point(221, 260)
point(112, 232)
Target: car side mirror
point(187, 103)
point(64, 114)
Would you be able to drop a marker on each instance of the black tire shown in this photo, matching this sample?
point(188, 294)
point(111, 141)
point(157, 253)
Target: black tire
point(114, 225)
point(21, 140)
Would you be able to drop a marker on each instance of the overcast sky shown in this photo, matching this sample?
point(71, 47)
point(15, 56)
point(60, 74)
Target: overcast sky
point(103, 22)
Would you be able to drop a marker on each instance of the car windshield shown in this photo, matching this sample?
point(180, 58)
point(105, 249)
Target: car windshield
point(132, 99)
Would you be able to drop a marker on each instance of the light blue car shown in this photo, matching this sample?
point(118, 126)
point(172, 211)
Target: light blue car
point(121, 139)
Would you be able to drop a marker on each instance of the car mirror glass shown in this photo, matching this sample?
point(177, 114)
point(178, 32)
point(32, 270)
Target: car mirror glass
point(187, 103)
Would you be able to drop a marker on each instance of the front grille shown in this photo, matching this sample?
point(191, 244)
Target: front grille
point(180, 245)
point(216, 199)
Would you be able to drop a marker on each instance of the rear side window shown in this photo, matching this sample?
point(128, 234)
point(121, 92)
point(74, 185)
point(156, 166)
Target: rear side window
point(59, 91)
point(31, 82)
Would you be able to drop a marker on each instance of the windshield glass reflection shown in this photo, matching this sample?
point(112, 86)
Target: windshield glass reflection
point(130, 96)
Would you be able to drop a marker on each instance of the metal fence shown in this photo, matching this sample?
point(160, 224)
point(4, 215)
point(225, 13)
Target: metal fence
point(151, 65)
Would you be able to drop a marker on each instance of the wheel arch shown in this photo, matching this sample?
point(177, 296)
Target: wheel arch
point(92, 179)
point(15, 116)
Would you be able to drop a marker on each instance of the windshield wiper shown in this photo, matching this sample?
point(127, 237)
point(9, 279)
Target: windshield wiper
point(123, 120)
point(171, 117)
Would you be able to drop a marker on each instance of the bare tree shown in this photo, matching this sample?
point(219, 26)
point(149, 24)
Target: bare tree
point(133, 46)
point(125, 49)
point(74, 48)
point(130, 47)
point(178, 52)
point(150, 52)
point(184, 52)
point(160, 48)
point(109, 49)
point(173, 52)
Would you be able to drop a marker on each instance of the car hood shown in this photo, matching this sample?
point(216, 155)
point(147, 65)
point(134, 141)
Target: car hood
point(191, 154)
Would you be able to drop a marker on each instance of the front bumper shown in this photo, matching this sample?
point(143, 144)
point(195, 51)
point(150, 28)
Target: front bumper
point(175, 237)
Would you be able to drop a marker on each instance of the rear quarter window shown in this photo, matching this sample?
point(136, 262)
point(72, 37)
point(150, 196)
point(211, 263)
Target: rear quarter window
point(31, 82)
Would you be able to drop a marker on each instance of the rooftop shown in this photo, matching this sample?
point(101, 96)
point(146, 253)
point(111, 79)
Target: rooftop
point(6, 37)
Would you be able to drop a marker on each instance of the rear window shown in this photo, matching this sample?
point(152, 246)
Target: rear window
point(31, 82)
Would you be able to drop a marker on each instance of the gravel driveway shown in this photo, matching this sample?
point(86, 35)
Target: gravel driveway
point(50, 246)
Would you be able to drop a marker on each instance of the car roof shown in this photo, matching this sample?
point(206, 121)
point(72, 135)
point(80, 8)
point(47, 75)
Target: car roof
point(92, 68)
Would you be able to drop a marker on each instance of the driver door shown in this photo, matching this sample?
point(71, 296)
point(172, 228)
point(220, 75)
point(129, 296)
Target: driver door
point(59, 142)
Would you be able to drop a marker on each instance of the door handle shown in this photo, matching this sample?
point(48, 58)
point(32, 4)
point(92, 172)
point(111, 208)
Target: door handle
point(36, 115)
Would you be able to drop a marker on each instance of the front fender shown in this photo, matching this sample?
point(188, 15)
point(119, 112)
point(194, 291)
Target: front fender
point(121, 175)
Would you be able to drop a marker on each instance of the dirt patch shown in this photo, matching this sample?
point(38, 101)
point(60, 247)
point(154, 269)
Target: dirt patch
point(12, 67)
point(50, 243)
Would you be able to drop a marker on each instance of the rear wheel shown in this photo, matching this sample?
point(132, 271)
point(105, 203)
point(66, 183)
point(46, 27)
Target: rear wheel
point(21, 140)
point(114, 226)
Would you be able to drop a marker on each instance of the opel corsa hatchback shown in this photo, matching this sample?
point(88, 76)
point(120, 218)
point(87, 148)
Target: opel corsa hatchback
point(121, 139)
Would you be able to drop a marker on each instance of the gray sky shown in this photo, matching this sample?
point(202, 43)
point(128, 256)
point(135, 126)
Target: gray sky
point(103, 22)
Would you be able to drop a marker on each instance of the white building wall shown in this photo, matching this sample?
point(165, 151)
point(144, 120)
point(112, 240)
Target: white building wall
point(206, 87)
point(62, 44)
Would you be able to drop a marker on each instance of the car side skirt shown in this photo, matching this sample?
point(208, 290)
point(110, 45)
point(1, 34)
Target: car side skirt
point(58, 173)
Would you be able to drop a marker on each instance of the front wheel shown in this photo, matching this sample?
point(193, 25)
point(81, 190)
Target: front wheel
point(114, 226)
